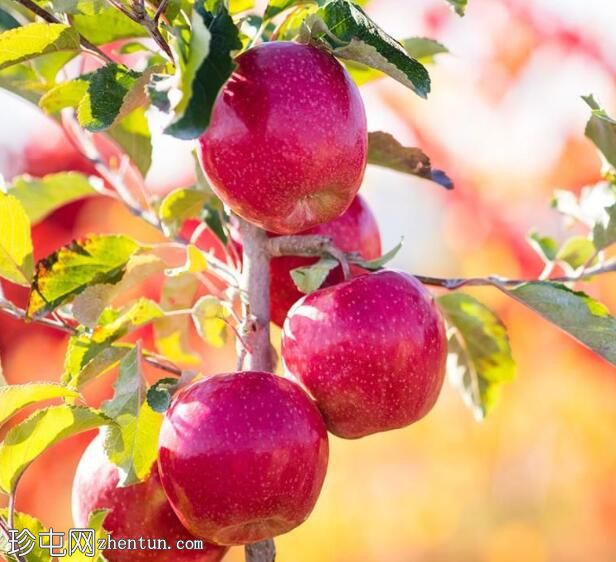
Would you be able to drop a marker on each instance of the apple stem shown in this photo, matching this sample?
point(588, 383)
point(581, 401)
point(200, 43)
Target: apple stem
point(308, 245)
point(255, 327)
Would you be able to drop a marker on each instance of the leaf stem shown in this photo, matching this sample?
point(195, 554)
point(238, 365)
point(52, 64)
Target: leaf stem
point(49, 17)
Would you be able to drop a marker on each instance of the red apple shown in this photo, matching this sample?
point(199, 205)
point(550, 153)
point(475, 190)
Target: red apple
point(287, 143)
point(141, 510)
point(356, 230)
point(371, 351)
point(242, 456)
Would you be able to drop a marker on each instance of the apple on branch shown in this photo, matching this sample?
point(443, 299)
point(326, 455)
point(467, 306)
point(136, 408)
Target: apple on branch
point(287, 143)
point(371, 351)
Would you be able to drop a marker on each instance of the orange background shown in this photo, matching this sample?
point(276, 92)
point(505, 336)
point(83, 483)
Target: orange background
point(537, 480)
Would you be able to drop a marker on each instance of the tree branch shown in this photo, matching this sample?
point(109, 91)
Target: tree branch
point(140, 15)
point(308, 245)
point(256, 329)
point(49, 17)
point(494, 280)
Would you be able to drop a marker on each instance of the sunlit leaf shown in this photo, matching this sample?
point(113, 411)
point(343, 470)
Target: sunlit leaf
point(119, 324)
point(16, 261)
point(17, 396)
point(171, 332)
point(309, 278)
point(69, 271)
point(576, 252)
point(459, 6)
point(601, 130)
point(204, 70)
point(576, 313)
point(604, 231)
point(545, 246)
point(423, 49)
point(346, 30)
point(196, 262)
point(42, 196)
point(180, 205)
point(101, 23)
point(377, 263)
point(209, 315)
point(480, 358)
point(132, 444)
point(24, 521)
point(87, 359)
point(385, 151)
point(35, 39)
point(27, 440)
point(132, 134)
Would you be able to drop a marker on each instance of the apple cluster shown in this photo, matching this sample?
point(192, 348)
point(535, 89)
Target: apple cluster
point(243, 456)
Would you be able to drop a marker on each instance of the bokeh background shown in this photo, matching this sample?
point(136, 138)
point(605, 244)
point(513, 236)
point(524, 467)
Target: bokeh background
point(536, 481)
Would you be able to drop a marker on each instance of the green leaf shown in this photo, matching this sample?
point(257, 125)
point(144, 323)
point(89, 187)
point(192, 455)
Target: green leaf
point(29, 439)
point(377, 263)
point(65, 94)
point(385, 151)
point(545, 246)
point(16, 261)
point(576, 252)
point(87, 359)
point(459, 6)
point(179, 206)
point(171, 332)
point(209, 315)
point(70, 270)
point(36, 39)
point(100, 23)
point(7, 21)
point(159, 394)
point(132, 134)
point(17, 396)
point(275, 7)
point(42, 196)
point(604, 231)
point(309, 278)
point(346, 30)
point(480, 354)
point(105, 100)
point(214, 215)
point(601, 130)
point(118, 325)
point(204, 70)
point(35, 527)
point(132, 444)
point(237, 6)
point(423, 49)
point(576, 313)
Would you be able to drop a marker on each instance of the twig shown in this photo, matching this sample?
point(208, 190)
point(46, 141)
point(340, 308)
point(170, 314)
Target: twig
point(139, 15)
point(49, 17)
point(160, 10)
point(161, 364)
point(9, 309)
point(308, 245)
point(452, 284)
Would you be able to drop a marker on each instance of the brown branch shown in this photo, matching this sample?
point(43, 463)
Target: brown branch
point(140, 15)
point(256, 327)
point(452, 284)
point(49, 17)
point(308, 245)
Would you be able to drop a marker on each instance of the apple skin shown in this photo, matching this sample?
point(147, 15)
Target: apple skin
point(287, 143)
point(371, 351)
point(242, 456)
point(141, 510)
point(356, 230)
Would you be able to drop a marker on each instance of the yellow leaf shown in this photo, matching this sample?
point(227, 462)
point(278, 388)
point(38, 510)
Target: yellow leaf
point(16, 261)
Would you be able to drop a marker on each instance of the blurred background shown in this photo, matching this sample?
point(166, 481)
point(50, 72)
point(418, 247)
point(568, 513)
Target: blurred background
point(536, 481)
